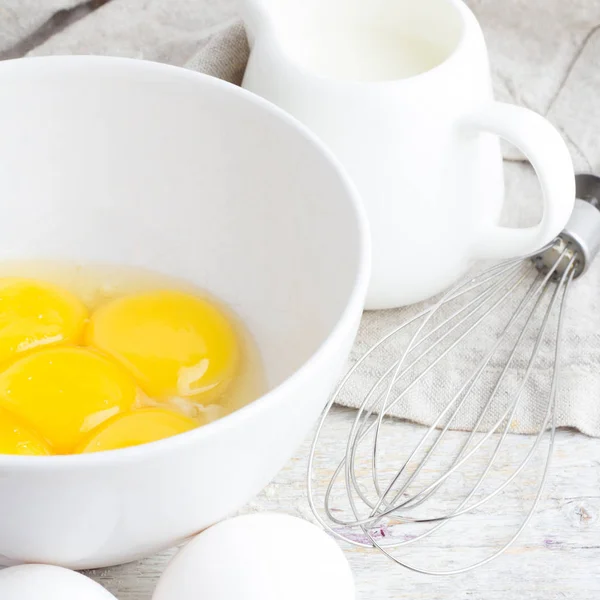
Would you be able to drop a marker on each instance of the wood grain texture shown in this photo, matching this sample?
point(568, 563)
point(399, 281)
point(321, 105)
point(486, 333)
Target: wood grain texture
point(556, 558)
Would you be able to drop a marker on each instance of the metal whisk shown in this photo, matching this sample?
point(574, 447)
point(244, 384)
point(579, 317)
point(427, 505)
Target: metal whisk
point(504, 321)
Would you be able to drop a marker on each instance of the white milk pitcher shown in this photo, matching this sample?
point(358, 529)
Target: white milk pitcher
point(401, 92)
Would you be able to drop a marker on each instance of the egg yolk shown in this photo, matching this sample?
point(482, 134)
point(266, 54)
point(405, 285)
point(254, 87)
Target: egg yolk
point(16, 438)
point(174, 344)
point(138, 427)
point(33, 314)
point(64, 393)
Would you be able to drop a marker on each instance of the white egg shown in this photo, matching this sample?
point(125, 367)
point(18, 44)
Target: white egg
point(259, 557)
point(44, 582)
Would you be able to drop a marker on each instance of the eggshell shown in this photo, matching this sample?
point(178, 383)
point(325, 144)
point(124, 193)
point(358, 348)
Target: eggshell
point(45, 582)
point(259, 557)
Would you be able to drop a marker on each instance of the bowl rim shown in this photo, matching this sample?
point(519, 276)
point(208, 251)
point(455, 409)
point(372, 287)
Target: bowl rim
point(354, 304)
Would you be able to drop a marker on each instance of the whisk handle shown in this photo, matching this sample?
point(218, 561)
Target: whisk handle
point(548, 154)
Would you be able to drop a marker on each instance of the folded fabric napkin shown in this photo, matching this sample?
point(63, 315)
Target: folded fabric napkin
point(225, 55)
point(20, 18)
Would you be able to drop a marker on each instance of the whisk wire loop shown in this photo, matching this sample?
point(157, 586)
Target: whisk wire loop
point(391, 502)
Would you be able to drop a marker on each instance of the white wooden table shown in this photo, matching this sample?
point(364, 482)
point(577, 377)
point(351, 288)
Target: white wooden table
point(558, 556)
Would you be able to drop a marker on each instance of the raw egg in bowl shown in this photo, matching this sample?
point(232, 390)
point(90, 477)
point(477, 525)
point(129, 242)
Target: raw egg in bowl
point(242, 219)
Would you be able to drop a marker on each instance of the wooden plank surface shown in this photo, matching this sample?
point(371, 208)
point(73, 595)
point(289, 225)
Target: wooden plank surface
point(557, 557)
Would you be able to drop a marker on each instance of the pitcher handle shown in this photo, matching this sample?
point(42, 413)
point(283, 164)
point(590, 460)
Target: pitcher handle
point(548, 154)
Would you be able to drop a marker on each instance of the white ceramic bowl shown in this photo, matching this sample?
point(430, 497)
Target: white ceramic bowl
point(130, 162)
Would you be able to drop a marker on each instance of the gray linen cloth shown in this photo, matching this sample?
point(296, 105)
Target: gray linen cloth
point(519, 47)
